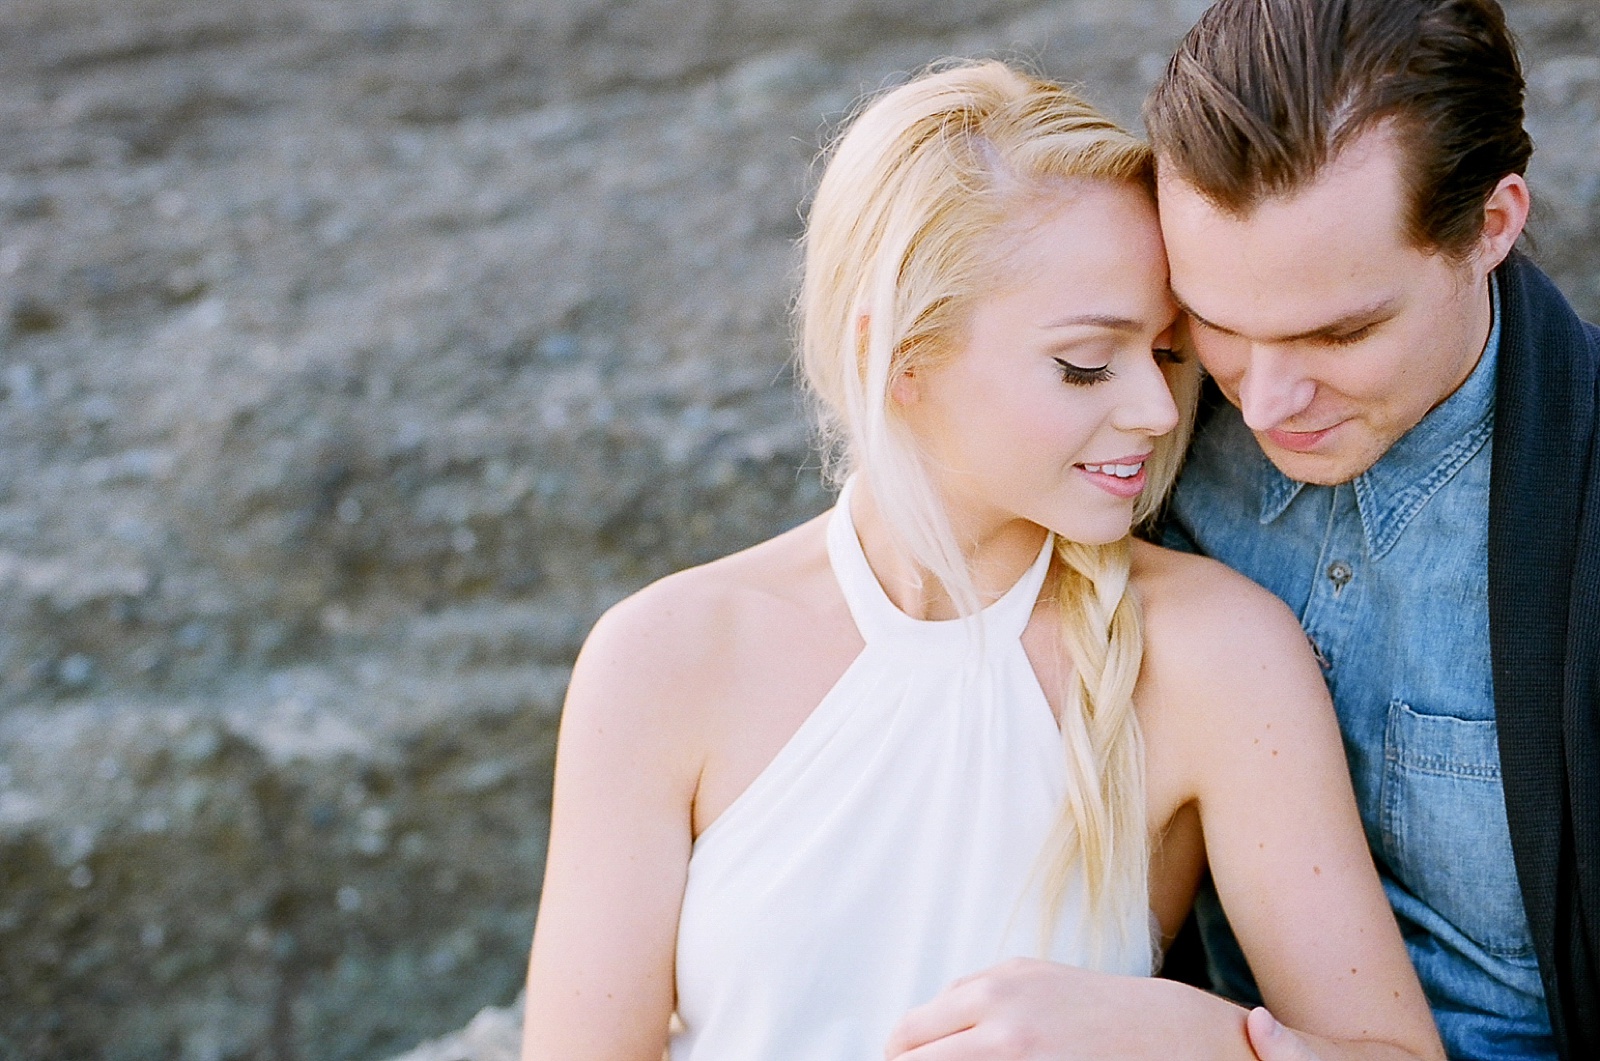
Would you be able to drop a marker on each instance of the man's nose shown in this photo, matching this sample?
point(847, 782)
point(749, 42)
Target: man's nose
point(1273, 389)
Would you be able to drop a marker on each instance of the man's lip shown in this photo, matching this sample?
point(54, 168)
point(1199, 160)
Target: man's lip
point(1299, 441)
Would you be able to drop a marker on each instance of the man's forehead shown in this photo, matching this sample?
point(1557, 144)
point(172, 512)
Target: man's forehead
point(1375, 157)
point(1285, 300)
point(1319, 257)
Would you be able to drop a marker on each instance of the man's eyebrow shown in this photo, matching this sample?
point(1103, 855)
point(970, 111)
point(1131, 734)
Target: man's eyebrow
point(1381, 310)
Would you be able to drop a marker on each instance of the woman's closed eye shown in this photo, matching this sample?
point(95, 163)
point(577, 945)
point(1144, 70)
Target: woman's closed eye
point(1080, 376)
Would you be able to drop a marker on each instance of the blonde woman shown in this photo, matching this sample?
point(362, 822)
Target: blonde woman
point(963, 717)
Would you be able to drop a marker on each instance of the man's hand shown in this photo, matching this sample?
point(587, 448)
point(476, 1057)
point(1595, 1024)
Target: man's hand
point(1272, 1041)
point(1028, 1010)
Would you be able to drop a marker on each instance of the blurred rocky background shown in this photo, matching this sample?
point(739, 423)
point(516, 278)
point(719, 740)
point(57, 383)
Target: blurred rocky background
point(354, 355)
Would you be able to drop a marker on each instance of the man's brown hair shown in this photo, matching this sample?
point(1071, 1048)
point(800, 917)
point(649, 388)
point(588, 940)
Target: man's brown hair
point(1262, 94)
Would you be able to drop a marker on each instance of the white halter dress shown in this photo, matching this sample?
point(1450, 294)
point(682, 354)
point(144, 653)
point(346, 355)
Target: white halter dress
point(890, 847)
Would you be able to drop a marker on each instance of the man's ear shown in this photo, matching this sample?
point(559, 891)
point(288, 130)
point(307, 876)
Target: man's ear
point(1505, 214)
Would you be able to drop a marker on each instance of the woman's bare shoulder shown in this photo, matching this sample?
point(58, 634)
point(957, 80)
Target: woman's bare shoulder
point(1229, 692)
point(678, 634)
point(1204, 596)
point(774, 575)
point(1215, 634)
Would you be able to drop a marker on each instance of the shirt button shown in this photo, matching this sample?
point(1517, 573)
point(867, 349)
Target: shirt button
point(1339, 573)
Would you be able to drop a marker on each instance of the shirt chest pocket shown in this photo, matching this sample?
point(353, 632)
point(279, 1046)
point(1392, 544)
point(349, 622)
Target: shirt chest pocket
point(1444, 825)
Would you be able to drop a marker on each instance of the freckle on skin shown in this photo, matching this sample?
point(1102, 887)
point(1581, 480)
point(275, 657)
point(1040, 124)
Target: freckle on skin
point(1317, 870)
point(1274, 751)
point(1352, 970)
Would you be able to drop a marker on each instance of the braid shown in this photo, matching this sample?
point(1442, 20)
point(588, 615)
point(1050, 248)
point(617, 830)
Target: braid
point(1100, 837)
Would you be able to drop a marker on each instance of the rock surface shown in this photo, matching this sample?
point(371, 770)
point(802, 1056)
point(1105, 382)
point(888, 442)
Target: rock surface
point(353, 357)
point(495, 1034)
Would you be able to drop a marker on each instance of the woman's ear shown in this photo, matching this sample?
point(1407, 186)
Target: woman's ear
point(903, 388)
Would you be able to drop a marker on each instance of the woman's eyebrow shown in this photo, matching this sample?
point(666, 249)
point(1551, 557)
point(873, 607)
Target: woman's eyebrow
point(1097, 320)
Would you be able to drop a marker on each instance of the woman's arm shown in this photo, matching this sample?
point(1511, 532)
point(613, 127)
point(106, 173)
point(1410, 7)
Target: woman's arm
point(1282, 836)
point(600, 980)
point(1238, 724)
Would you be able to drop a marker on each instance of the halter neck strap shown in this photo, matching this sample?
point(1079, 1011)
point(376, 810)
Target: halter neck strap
point(878, 617)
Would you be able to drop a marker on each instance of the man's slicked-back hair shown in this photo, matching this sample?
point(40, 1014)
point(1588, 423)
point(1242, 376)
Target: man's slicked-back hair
point(1262, 94)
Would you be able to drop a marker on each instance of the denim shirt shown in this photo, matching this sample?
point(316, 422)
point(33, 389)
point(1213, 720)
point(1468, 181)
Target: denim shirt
point(1388, 574)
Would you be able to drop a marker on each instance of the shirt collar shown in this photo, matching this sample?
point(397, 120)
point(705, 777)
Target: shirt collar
point(1393, 490)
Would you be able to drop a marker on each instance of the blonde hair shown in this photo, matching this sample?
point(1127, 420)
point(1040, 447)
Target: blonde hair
point(907, 231)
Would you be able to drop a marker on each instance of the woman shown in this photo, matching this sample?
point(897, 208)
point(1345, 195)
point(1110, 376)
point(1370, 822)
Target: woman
point(963, 716)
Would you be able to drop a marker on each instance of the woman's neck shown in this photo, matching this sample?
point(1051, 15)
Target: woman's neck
point(997, 550)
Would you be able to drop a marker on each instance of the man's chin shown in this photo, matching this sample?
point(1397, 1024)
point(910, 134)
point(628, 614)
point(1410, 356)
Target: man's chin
point(1330, 468)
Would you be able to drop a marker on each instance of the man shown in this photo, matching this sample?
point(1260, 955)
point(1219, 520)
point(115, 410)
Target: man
point(1410, 464)
point(1408, 457)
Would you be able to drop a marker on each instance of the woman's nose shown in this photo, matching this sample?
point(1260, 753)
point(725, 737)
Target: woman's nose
point(1147, 404)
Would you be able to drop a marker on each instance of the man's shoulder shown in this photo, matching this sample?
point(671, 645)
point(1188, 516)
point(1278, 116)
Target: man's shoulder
point(1546, 309)
point(1548, 393)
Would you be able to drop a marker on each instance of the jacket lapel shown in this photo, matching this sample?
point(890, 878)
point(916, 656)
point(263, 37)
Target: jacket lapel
point(1544, 422)
point(1581, 728)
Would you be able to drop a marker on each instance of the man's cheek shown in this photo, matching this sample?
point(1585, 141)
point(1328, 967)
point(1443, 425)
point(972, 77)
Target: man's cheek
point(1225, 360)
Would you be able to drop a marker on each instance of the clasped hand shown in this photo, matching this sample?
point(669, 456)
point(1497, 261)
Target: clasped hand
point(1030, 1010)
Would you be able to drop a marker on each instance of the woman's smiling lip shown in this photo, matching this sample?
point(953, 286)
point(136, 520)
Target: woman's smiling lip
point(1122, 477)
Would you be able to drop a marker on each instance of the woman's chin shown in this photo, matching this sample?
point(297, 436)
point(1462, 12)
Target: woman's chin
point(1103, 529)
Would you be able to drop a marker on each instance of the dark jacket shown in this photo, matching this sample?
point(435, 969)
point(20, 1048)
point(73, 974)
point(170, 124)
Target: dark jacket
point(1544, 634)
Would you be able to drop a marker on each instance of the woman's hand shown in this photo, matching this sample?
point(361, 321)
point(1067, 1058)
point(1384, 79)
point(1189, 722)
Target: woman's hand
point(1030, 1010)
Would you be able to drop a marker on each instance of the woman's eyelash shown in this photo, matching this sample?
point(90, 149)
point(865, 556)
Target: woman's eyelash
point(1080, 376)
point(1167, 355)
